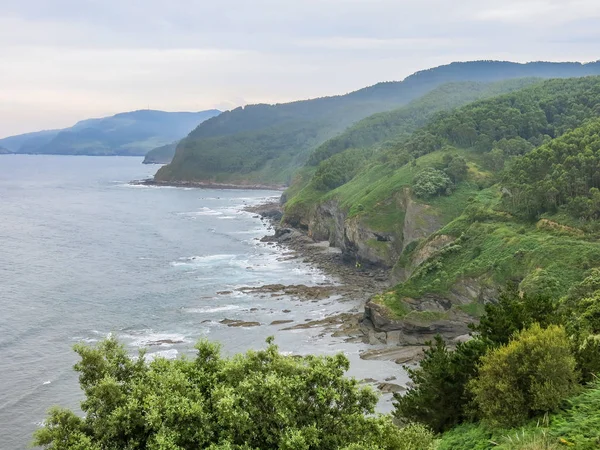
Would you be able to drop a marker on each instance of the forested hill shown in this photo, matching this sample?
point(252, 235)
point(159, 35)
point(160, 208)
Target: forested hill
point(501, 190)
point(128, 134)
point(267, 143)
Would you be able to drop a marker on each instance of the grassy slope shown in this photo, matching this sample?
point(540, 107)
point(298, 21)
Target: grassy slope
point(378, 129)
point(576, 426)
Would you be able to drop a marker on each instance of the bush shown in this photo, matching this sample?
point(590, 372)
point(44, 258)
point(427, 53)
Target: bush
point(530, 375)
point(259, 400)
point(430, 182)
point(583, 326)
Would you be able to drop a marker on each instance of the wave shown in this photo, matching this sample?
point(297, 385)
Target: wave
point(204, 211)
point(212, 309)
point(149, 338)
point(201, 260)
point(167, 354)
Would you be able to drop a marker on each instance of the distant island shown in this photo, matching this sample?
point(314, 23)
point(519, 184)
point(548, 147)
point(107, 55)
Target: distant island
point(132, 133)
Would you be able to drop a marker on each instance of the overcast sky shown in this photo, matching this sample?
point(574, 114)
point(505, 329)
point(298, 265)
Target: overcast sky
point(66, 60)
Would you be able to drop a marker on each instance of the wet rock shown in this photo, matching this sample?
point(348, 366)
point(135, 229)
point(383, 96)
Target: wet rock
point(390, 378)
point(390, 388)
point(224, 293)
point(239, 323)
point(165, 341)
point(281, 322)
point(400, 355)
point(368, 380)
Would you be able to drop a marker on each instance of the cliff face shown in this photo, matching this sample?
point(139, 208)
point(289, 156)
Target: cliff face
point(413, 241)
point(362, 242)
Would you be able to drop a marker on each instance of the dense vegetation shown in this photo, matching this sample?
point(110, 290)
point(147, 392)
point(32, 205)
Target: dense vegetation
point(261, 400)
point(524, 362)
point(268, 143)
point(386, 127)
point(127, 134)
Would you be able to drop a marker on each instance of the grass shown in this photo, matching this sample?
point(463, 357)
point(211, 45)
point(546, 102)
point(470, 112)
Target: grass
point(576, 426)
point(474, 309)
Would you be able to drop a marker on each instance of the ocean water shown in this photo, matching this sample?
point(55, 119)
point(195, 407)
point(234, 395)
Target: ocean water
point(84, 254)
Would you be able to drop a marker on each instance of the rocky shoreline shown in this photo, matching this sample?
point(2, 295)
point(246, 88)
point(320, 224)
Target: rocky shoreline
point(355, 283)
point(207, 185)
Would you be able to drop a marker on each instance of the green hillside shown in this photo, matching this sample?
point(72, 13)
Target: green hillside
point(269, 143)
point(161, 155)
point(380, 132)
point(436, 207)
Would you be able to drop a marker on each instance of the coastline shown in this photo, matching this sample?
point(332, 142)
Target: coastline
point(355, 285)
point(207, 185)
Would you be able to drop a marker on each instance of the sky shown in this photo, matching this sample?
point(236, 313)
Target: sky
point(67, 60)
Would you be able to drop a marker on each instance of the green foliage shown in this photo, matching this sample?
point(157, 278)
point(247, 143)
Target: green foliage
point(581, 313)
point(530, 375)
point(389, 128)
point(513, 312)
point(260, 400)
point(439, 397)
point(338, 169)
point(577, 426)
point(562, 173)
point(161, 155)
point(430, 182)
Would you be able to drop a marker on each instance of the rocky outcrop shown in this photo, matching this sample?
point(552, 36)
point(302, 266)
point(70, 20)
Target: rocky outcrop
point(361, 242)
point(430, 315)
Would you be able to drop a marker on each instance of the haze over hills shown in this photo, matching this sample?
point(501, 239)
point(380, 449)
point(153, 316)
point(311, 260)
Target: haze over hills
point(268, 143)
point(126, 134)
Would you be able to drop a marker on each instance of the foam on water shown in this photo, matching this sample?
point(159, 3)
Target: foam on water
point(212, 309)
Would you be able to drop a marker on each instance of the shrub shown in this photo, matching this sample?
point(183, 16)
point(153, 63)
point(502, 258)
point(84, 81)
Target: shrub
point(530, 375)
point(430, 182)
point(438, 397)
point(260, 400)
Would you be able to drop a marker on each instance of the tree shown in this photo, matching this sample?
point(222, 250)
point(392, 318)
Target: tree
point(457, 169)
point(430, 182)
point(530, 375)
point(439, 397)
point(513, 312)
point(259, 400)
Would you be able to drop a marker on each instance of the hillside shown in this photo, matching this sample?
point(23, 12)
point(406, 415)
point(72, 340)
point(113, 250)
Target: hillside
point(161, 155)
point(435, 208)
point(4, 151)
point(126, 134)
point(268, 143)
point(385, 131)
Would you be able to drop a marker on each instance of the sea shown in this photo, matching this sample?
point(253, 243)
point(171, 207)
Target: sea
point(85, 254)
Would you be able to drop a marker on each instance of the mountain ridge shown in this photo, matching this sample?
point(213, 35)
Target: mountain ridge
point(131, 133)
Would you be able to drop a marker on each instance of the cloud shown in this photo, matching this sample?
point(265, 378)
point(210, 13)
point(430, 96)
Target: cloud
point(65, 60)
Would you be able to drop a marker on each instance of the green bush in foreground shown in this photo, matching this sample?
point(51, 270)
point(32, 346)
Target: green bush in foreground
point(531, 375)
point(258, 400)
